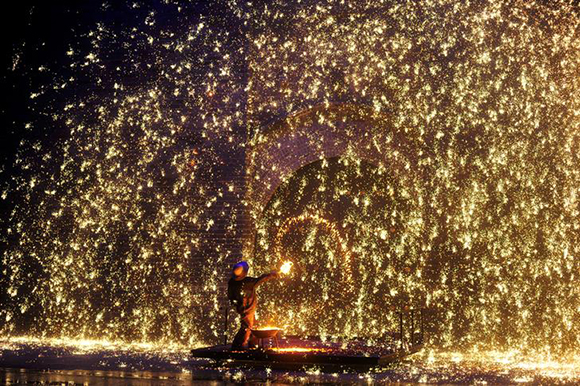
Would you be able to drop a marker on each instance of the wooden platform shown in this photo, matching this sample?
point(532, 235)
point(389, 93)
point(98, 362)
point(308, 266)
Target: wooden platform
point(296, 353)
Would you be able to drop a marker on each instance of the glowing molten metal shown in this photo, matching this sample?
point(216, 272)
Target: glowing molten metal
point(297, 349)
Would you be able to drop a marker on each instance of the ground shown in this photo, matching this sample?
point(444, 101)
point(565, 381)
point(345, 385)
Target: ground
point(26, 360)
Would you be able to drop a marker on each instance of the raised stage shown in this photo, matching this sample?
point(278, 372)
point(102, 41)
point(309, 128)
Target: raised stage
point(294, 352)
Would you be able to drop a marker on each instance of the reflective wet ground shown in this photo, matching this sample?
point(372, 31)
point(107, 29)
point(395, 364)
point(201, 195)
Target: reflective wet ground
point(66, 377)
point(87, 362)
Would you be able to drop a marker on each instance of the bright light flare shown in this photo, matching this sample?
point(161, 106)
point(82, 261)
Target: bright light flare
point(286, 267)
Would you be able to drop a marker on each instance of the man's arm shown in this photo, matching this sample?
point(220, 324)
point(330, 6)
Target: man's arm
point(266, 277)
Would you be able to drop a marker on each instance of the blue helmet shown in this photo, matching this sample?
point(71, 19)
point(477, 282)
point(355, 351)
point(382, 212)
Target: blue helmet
point(240, 270)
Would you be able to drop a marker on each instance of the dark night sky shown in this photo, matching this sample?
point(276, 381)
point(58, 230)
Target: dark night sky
point(39, 33)
point(35, 33)
point(14, 28)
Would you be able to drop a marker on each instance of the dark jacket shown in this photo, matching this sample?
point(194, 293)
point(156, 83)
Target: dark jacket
point(242, 293)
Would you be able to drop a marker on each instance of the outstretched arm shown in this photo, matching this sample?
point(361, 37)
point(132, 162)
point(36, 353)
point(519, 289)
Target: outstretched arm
point(266, 277)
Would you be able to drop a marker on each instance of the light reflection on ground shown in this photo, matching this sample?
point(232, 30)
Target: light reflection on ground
point(26, 360)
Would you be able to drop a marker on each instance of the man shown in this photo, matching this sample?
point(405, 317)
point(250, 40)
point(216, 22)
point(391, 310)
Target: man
point(242, 294)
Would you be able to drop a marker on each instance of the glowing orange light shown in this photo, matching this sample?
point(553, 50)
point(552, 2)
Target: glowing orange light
point(267, 328)
point(285, 268)
point(298, 349)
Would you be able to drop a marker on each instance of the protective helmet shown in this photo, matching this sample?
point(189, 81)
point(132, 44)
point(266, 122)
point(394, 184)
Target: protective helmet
point(240, 270)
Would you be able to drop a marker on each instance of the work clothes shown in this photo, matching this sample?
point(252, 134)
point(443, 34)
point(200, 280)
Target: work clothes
point(242, 294)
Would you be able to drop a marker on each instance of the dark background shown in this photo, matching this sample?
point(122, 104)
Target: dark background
point(39, 33)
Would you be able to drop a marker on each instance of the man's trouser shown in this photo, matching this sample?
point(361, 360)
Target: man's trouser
point(242, 338)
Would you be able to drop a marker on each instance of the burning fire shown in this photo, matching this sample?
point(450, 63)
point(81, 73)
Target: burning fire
point(285, 268)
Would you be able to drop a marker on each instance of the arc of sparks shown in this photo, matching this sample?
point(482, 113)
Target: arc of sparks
point(330, 227)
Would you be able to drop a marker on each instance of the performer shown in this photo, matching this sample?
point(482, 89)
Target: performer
point(242, 294)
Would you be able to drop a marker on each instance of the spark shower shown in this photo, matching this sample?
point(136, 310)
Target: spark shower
point(140, 138)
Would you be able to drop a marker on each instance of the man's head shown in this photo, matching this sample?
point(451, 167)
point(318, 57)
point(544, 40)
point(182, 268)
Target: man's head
point(240, 270)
